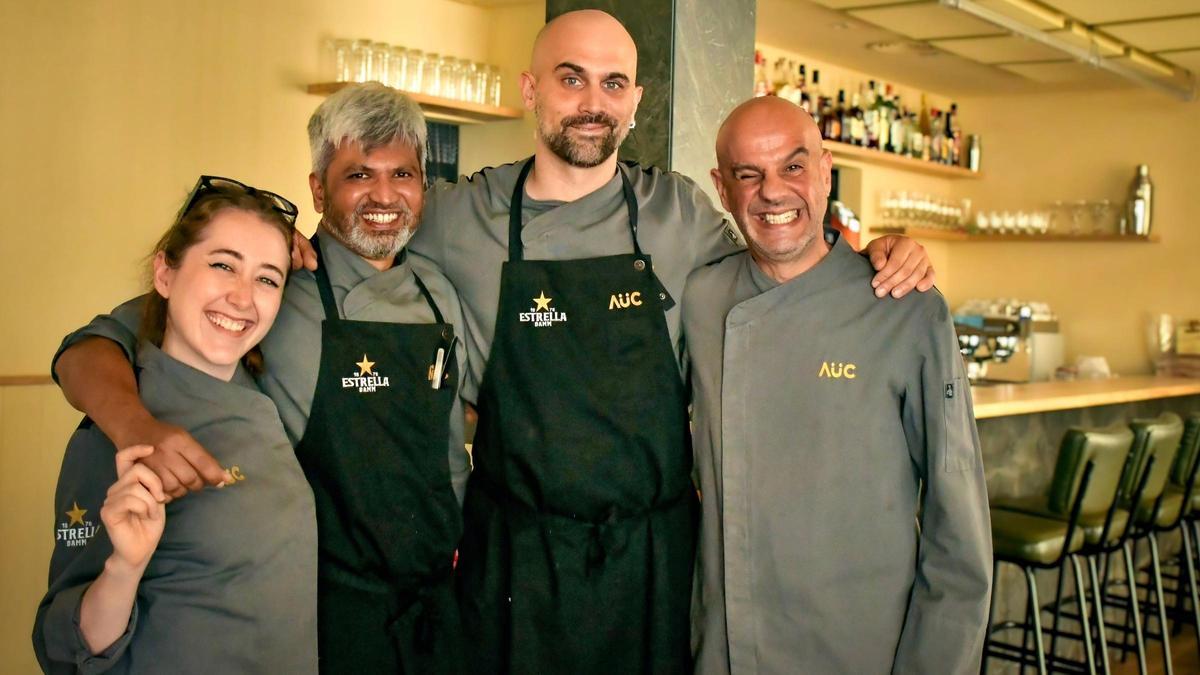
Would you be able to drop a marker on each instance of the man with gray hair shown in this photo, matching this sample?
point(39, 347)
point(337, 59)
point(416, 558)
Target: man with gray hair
point(364, 363)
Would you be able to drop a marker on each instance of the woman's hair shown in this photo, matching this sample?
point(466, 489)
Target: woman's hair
point(186, 231)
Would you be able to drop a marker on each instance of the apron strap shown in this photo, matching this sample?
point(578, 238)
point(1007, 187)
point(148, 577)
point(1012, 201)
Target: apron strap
point(437, 316)
point(326, 288)
point(323, 285)
point(516, 249)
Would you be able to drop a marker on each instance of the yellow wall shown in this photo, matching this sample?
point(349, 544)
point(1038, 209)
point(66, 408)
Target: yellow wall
point(109, 110)
point(1086, 146)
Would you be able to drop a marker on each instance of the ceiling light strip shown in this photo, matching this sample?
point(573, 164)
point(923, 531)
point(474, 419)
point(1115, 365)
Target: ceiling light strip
point(1185, 90)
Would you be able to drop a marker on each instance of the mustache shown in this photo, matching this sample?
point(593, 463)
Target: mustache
point(590, 118)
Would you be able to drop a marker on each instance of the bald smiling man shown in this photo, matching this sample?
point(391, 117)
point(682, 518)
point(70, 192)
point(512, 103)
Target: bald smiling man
point(809, 558)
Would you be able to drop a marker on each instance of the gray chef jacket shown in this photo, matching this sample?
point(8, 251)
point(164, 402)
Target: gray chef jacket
point(818, 409)
point(292, 349)
point(232, 584)
point(465, 231)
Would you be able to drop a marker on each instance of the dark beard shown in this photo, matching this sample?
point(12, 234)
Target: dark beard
point(582, 154)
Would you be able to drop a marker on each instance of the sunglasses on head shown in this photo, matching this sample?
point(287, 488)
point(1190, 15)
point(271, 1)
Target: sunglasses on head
point(208, 184)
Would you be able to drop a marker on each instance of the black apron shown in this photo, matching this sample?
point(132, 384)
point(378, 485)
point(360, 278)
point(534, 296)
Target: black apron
point(375, 453)
point(580, 515)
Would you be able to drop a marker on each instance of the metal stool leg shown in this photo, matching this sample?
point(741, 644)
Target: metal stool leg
point(1062, 577)
point(1036, 606)
point(1131, 577)
point(1187, 562)
point(1098, 597)
point(987, 637)
point(1084, 625)
point(1156, 570)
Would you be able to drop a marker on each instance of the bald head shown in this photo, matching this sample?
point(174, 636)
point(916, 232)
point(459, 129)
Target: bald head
point(765, 116)
point(584, 31)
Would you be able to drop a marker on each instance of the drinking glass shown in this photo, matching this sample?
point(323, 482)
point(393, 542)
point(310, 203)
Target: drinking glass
point(416, 71)
point(360, 61)
point(494, 86)
point(381, 54)
point(398, 68)
point(431, 75)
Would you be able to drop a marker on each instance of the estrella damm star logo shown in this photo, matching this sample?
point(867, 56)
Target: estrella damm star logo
point(541, 314)
point(365, 379)
point(77, 530)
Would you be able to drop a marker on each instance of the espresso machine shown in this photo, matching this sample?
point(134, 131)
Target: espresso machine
point(1008, 341)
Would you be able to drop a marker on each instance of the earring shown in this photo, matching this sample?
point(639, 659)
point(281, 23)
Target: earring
point(632, 123)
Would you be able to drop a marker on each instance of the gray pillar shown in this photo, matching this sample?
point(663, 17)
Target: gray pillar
point(695, 61)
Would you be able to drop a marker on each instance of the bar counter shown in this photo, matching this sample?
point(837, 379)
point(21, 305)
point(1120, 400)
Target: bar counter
point(1038, 397)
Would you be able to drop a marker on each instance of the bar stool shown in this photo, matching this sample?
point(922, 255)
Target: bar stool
point(1102, 521)
point(1180, 509)
point(1047, 534)
point(1158, 441)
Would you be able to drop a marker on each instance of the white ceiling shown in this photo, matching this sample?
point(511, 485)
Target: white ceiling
point(977, 57)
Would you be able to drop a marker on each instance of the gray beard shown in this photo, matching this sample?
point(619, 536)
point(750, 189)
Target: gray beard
point(382, 246)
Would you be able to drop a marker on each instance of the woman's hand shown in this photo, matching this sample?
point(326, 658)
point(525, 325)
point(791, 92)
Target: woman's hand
point(134, 513)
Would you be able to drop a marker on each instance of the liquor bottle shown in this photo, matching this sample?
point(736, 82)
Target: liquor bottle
point(801, 96)
point(1139, 211)
point(883, 121)
point(761, 86)
point(870, 116)
point(898, 132)
point(937, 137)
point(916, 138)
point(818, 102)
point(923, 119)
point(858, 123)
point(830, 121)
point(954, 136)
point(846, 115)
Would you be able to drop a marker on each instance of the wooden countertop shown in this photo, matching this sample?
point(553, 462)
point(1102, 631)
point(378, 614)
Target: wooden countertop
point(1022, 399)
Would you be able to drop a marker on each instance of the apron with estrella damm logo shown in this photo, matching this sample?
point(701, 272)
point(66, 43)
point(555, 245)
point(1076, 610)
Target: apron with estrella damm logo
point(374, 452)
point(579, 522)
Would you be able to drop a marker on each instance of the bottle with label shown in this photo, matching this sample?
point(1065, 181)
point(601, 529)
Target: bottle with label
point(858, 123)
point(833, 121)
point(816, 101)
point(954, 137)
point(847, 115)
point(1139, 209)
point(937, 137)
point(898, 133)
point(870, 116)
point(974, 153)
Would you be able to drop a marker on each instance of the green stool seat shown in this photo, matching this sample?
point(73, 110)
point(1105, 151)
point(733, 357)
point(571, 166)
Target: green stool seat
point(1168, 511)
point(1091, 523)
point(1023, 537)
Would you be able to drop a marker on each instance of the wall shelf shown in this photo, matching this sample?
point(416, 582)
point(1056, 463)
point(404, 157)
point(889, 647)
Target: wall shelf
point(953, 235)
point(441, 109)
point(846, 151)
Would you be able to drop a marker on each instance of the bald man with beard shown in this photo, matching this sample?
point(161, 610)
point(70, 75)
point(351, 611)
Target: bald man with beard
point(809, 559)
point(580, 516)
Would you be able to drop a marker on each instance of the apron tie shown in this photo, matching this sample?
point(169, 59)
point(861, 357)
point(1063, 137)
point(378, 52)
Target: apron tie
point(601, 541)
